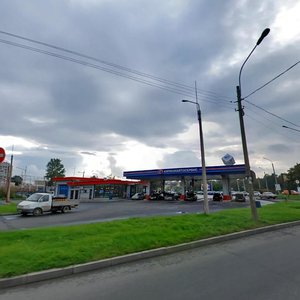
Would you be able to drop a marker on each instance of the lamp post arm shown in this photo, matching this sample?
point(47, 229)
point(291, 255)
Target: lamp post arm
point(240, 73)
point(262, 36)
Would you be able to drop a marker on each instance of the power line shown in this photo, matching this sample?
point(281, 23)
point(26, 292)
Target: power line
point(273, 79)
point(169, 86)
point(176, 87)
point(87, 64)
point(272, 114)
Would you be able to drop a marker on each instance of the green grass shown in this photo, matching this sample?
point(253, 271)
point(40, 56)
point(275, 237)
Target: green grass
point(289, 197)
point(7, 208)
point(26, 251)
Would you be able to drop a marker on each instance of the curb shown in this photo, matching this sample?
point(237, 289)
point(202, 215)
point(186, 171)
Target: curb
point(109, 262)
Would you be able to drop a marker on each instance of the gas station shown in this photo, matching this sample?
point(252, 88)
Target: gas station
point(187, 177)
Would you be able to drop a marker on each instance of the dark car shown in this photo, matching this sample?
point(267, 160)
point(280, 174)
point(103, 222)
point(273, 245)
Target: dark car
point(162, 196)
point(240, 197)
point(169, 196)
point(217, 197)
point(155, 196)
point(191, 196)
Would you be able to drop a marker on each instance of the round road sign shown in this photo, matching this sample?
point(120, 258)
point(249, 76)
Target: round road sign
point(2, 155)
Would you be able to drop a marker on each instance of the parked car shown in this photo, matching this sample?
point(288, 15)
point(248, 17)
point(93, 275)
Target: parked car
point(169, 196)
point(156, 196)
point(217, 197)
point(190, 196)
point(240, 197)
point(199, 195)
point(268, 195)
point(163, 196)
point(138, 196)
point(257, 194)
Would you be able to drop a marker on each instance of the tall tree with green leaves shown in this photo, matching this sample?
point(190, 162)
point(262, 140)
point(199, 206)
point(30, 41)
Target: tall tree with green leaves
point(55, 168)
point(293, 175)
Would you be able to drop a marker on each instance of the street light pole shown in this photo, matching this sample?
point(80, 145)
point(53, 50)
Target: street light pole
point(243, 134)
point(266, 179)
point(273, 169)
point(204, 178)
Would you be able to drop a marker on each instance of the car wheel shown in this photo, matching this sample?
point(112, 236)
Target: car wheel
point(65, 209)
point(37, 212)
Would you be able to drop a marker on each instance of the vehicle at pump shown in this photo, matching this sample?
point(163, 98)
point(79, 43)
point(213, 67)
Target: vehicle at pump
point(190, 196)
point(218, 196)
point(240, 197)
point(38, 203)
point(268, 195)
point(138, 196)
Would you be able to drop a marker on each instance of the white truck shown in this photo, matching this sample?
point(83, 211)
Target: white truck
point(38, 203)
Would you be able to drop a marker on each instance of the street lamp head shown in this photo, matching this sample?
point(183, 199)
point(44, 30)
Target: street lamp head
point(287, 127)
point(263, 35)
point(189, 101)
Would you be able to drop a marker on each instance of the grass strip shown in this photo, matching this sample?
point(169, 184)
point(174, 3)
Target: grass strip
point(7, 208)
point(32, 250)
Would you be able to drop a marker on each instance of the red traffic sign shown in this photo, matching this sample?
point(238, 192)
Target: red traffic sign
point(2, 155)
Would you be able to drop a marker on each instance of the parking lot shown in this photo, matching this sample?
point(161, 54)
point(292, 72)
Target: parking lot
point(106, 210)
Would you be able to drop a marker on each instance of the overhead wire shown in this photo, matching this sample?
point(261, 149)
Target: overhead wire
point(270, 113)
point(88, 64)
point(264, 124)
point(176, 87)
point(273, 79)
point(262, 119)
point(264, 85)
point(173, 87)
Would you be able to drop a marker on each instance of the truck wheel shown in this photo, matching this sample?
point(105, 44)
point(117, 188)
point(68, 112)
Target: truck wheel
point(37, 212)
point(65, 209)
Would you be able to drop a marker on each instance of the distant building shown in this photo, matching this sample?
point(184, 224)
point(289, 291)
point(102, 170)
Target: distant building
point(40, 185)
point(4, 169)
point(84, 188)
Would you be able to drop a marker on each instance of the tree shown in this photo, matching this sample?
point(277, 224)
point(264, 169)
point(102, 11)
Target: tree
point(293, 175)
point(17, 180)
point(55, 168)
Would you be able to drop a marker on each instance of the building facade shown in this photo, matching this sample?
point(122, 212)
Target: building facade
point(4, 170)
point(95, 188)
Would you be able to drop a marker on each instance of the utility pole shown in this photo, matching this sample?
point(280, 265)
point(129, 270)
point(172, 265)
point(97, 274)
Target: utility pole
point(249, 183)
point(9, 174)
point(240, 109)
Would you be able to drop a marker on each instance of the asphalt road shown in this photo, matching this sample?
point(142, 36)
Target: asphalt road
point(261, 267)
point(110, 210)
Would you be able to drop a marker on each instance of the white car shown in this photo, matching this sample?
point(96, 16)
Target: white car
point(138, 196)
point(199, 195)
point(268, 195)
point(257, 194)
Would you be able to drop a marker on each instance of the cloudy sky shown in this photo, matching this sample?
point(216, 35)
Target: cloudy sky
point(117, 106)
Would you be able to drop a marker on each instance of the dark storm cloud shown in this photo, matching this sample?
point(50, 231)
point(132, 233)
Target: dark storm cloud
point(70, 106)
point(179, 159)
